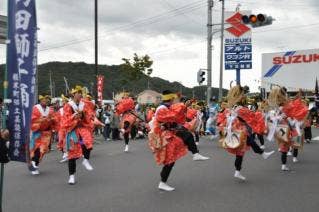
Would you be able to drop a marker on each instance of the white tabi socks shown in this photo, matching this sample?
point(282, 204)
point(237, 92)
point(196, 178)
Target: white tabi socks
point(165, 187)
point(239, 176)
point(266, 155)
point(199, 157)
point(71, 179)
point(87, 164)
point(284, 167)
point(64, 157)
point(126, 149)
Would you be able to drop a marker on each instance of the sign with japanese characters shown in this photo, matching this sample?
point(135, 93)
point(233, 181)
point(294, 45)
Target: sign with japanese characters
point(22, 68)
point(238, 47)
point(100, 87)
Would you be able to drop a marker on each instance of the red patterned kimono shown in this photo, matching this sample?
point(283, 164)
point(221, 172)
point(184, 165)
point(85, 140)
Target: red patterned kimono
point(125, 108)
point(255, 120)
point(41, 130)
point(87, 125)
point(297, 111)
point(166, 146)
point(191, 119)
point(222, 119)
point(61, 131)
point(149, 115)
point(71, 125)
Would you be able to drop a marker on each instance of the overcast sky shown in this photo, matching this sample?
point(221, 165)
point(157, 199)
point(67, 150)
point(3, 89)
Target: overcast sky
point(172, 32)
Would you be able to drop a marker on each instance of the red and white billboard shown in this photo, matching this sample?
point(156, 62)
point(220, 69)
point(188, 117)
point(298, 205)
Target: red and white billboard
point(293, 69)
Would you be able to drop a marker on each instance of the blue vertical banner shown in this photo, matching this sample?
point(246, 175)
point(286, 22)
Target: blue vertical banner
point(22, 69)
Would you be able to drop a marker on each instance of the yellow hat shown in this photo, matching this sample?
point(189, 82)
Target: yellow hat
point(167, 97)
point(64, 98)
point(41, 97)
point(77, 89)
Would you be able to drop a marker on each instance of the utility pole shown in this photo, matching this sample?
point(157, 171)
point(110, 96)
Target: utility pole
point(51, 86)
point(96, 44)
point(220, 91)
point(210, 4)
point(67, 89)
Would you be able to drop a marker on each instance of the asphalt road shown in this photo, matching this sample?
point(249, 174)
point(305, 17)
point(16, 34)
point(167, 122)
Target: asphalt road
point(124, 182)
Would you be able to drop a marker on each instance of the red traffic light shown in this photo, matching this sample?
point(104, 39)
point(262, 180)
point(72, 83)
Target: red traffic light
point(253, 19)
point(257, 21)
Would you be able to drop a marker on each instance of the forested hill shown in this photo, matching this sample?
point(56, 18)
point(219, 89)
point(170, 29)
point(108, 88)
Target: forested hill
point(116, 80)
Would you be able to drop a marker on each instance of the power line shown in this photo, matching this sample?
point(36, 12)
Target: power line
point(262, 31)
point(109, 32)
point(275, 3)
point(181, 12)
point(169, 14)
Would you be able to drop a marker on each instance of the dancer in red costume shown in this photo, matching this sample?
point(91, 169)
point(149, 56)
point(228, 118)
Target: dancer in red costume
point(286, 123)
point(169, 139)
point(61, 131)
point(78, 122)
point(125, 108)
point(240, 125)
point(41, 132)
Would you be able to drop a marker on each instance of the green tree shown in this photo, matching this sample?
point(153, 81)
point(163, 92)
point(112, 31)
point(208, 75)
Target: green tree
point(137, 67)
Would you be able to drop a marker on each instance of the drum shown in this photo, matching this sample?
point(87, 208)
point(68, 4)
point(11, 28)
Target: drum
point(236, 139)
point(282, 133)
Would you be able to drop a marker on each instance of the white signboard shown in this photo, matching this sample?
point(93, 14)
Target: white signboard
point(292, 69)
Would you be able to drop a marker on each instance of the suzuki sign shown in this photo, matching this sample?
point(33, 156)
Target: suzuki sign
point(292, 69)
point(238, 47)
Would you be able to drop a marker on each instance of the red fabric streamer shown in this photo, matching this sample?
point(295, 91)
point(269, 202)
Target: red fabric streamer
point(179, 110)
point(125, 105)
point(255, 120)
point(296, 109)
point(191, 113)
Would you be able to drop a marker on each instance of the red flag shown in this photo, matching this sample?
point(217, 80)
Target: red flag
point(100, 87)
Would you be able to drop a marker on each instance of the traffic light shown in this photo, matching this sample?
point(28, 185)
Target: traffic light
point(257, 20)
point(149, 71)
point(200, 76)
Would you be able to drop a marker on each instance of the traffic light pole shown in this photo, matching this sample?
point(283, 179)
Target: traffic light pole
point(221, 67)
point(210, 5)
point(238, 76)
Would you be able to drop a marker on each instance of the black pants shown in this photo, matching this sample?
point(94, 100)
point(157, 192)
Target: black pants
point(107, 131)
point(261, 139)
point(115, 134)
point(284, 156)
point(126, 138)
point(72, 162)
point(86, 152)
point(133, 131)
point(238, 162)
point(308, 134)
point(295, 153)
point(36, 157)
point(72, 166)
point(251, 142)
point(188, 140)
point(197, 136)
point(166, 170)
